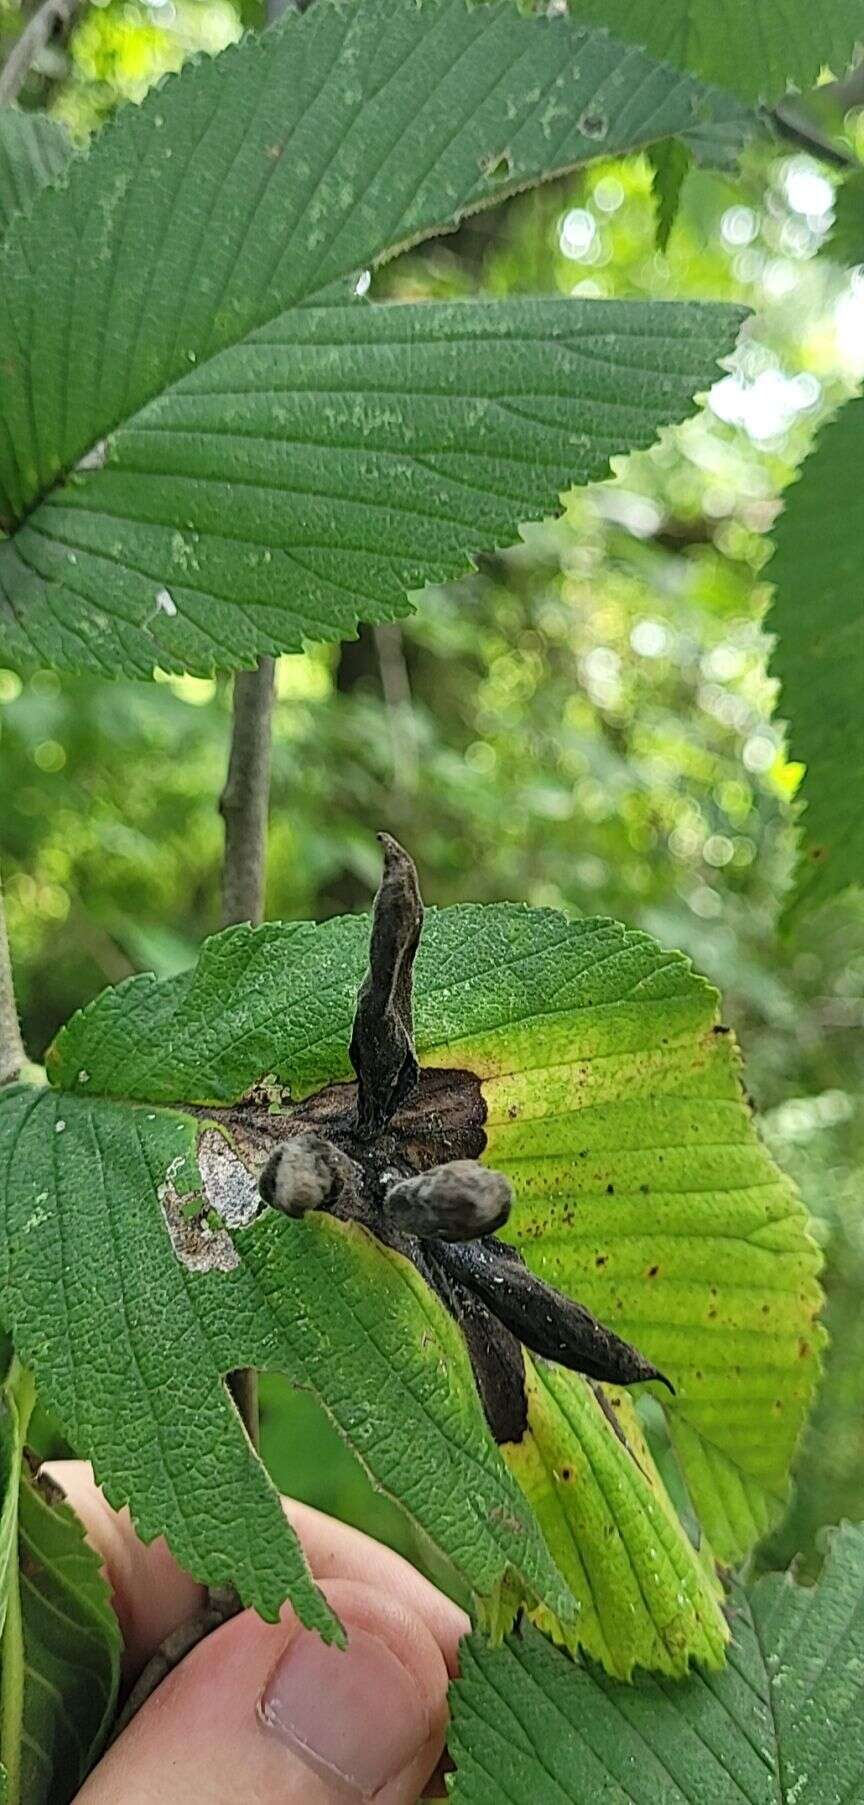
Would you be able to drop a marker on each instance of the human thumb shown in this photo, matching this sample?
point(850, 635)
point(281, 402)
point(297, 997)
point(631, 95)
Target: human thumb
point(270, 1714)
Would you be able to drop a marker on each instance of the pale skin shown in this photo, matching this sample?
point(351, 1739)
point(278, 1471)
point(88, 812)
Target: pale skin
point(367, 1724)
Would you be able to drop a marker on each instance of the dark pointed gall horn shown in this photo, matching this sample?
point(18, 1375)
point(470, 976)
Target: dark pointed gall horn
point(545, 1320)
point(382, 1039)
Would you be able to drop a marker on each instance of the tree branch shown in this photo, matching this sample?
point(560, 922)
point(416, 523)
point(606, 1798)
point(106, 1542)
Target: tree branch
point(12, 1055)
point(244, 806)
point(244, 802)
point(30, 45)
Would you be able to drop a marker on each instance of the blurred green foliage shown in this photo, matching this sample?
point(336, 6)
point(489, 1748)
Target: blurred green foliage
point(585, 722)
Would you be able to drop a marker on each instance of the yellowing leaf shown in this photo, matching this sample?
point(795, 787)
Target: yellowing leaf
point(646, 1600)
point(644, 1191)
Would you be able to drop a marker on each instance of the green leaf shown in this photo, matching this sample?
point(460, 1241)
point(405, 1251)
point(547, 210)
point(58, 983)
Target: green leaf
point(670, 162)
point(599, 1066)
point(781, 1726)
point(325, 1305)
point(845, 241)
point(72, 1648)
point(60, 1646)
point(34, 151)
point(755, 48)
point(817, 617)
point(210, 450)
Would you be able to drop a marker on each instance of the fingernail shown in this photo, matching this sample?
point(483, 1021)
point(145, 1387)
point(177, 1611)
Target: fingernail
point(353, 1715)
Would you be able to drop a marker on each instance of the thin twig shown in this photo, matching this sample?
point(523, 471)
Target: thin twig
point(12, 1055)
point(223, 1603)
point(30, 45)
point(245, 799)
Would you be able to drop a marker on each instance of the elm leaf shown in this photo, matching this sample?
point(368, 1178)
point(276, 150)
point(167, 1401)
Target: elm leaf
point(670, 163)
point(130, 1313)
point(817, 618)
point(756, 48)
point(60, 1644)
point(72, 1647)
point(646, 1193)
point(781, 1725)
point(34, 151)
point(583, 1462)
point(612, 1101)
point(211, 448)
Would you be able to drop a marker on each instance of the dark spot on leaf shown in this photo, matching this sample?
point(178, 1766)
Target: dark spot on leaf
point(566, 1473)
point(720, 1028)
point(653, 1271)
point(816, 854)
point(593, 124)
point(601, 1259)
point(610, 1190)
point(803, 1349)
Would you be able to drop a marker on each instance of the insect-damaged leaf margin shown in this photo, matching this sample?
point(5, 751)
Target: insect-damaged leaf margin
point(600, 1068)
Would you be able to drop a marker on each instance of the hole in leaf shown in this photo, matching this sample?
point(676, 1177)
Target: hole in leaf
point(593, 124)
point(497, 166)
